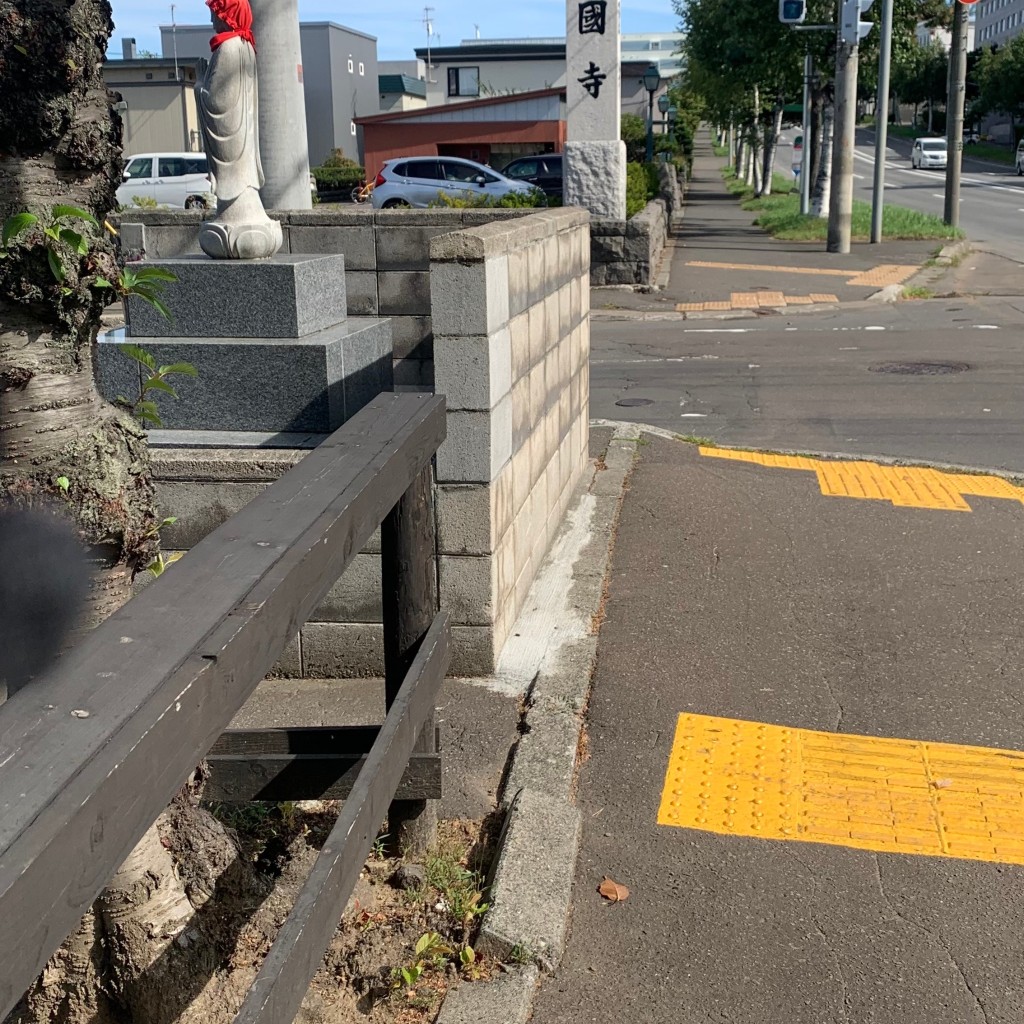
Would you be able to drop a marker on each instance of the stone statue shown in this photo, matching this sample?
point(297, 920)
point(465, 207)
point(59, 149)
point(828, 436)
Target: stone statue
point(228, 114)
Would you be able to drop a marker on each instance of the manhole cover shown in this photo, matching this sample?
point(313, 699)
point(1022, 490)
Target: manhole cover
point(635, 401)
point(920, 369)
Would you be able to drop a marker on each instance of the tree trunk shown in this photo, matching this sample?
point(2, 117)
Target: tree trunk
point(822, 190)
point(772, 132)
point(64, 451)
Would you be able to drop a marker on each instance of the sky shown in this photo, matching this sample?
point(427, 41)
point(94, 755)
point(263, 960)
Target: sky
point(398, 24)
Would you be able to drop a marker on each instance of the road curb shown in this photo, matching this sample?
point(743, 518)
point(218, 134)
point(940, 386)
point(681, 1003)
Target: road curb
point(882, 460)
point(531, 888)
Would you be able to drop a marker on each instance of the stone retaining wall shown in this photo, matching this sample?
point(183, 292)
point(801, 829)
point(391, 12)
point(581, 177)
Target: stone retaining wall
point(629, 251)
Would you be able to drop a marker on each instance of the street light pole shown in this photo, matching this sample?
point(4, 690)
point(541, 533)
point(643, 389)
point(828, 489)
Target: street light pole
point(651, 81)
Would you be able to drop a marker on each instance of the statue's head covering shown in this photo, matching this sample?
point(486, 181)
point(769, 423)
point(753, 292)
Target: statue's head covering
point(237, 15)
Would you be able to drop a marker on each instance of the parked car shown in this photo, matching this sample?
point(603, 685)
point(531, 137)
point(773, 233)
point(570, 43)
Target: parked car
point(419, 181)
point(971, 136)
point(171, 179)
point(543, 170)
point(929, 153)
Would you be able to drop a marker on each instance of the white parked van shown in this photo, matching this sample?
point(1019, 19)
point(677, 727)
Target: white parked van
point(172, 179)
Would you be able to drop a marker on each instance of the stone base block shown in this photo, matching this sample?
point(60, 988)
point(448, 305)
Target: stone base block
point(595, 177)
point(287, 296)
point(311, 384)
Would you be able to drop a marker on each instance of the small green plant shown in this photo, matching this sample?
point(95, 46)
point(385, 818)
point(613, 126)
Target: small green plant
point(917, 292)
point(520, 954)
point(143, 408)
point(145, 202)
point(57, 233)
point(430, 950)
point(63, 483)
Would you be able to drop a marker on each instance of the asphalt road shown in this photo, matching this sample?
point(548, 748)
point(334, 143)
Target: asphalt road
point(991, 198)
point(740, 591)
point(821, 383)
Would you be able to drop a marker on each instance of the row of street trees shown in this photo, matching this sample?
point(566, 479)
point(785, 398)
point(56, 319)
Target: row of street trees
point(745, 66)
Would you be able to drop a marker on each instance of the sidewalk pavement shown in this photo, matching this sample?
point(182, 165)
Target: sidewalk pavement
point(721, 262)
point(798, 750)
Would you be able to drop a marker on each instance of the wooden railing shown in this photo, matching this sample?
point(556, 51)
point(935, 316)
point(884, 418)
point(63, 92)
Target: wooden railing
point(92, 752)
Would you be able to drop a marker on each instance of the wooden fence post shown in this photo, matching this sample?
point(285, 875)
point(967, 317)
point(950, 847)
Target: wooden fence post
point(409, 587)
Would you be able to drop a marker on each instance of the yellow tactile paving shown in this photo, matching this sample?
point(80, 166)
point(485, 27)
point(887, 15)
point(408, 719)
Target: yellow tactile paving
point(754, 300)
point(877, 277)
point(741, 778)
point(771, 298)
point(744, 300)
point(886, 274)
point(798, 300)
point(823, 297)
point(903, 486)
point(829, 272)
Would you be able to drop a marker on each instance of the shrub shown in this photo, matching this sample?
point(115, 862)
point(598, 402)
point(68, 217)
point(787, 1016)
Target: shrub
point(641, 186)
point(338, 179)
point(511, 200)
point(337, 158)
point(633, 131)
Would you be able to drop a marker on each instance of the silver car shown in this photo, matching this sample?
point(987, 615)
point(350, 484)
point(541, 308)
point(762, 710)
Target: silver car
point(419, 181)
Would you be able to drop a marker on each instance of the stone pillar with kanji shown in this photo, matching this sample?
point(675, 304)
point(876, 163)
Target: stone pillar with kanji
point(595, 156)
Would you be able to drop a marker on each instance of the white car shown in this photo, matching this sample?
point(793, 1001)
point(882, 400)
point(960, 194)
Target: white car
point(929, 153)
point(181, 180)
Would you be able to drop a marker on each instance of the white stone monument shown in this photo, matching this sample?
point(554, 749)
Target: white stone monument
point(595, 155)
point(283, 142)
point(227, 101)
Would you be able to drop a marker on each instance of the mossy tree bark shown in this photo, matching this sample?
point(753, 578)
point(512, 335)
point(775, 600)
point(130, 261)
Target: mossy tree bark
point(60, 143)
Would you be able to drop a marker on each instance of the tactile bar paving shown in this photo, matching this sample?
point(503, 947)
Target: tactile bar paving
point(740, 778)
point(903, 486)
point(876, 277)
point(755, 300)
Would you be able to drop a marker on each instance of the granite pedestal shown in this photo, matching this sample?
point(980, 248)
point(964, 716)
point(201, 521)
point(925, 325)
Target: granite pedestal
point(288, 296)
point(270, 340)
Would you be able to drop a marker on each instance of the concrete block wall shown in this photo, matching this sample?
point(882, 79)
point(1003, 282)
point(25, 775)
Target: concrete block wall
point(508, 313)
point(387, 262)
point(511, 322)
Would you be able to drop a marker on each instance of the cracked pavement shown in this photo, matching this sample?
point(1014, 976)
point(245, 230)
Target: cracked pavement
point(741, 591)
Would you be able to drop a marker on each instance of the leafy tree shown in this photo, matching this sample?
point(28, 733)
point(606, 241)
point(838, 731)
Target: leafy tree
point(634, 134)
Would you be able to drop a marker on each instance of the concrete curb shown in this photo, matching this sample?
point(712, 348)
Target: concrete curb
point(531, 888)
point(883, 460)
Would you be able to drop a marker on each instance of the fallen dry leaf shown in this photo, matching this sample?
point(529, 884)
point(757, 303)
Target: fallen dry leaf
point(613, 892)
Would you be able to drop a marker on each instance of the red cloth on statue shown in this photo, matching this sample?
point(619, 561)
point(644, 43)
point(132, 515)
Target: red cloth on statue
point(237, 14)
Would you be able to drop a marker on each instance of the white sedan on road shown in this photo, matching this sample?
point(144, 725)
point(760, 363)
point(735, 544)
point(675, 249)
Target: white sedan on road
point(929, 153)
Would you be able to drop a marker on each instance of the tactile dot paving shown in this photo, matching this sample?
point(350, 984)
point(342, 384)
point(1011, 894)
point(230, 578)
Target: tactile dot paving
point(902, 486)
point(742, 778)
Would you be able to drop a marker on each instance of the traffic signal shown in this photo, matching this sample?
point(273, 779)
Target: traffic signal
point(851, 28)
point(792, 12)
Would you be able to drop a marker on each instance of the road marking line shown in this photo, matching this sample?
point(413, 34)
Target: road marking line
point(902, 486)
point(740, 778)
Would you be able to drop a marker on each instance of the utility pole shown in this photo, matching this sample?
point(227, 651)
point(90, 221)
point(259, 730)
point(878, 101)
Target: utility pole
point(805, 155)
point(955, 113)
point(840, 208)
point(881, 121)
point(851, 31)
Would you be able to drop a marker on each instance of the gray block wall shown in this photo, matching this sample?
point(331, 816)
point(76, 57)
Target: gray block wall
point(387, 262)
point(504, 307)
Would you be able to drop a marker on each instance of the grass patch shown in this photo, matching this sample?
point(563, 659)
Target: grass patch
point(918, 292)
point(719, 150)
point(780, 216)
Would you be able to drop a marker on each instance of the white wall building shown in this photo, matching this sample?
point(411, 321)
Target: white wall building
point(996, 22)
point(480, 68)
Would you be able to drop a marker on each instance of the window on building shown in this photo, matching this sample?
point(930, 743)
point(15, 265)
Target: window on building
point(140, 167)
point(149, 76)
point(171, 75)
point(351, 66)
point(463, 81)
point(362, 68)
point(352, 127)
